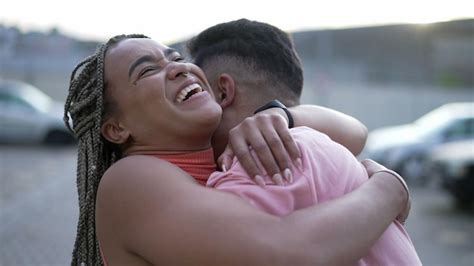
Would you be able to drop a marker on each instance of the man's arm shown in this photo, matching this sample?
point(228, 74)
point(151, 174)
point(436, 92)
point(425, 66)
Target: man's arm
point(153, 210)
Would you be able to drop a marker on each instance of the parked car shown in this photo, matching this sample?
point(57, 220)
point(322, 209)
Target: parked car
point(453, 164)
point(27, 115)
point(403, 148)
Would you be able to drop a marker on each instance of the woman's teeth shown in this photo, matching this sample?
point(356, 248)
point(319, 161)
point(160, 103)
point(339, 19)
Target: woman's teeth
point(187, 92)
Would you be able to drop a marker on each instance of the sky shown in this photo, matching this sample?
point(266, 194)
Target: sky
point(169, 21)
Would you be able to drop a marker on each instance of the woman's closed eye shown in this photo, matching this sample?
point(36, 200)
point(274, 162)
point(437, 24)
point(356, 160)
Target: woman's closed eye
point(146, 70)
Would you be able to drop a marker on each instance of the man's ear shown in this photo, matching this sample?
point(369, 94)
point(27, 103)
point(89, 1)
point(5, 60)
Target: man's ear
point(114, 131)
point(225, 90)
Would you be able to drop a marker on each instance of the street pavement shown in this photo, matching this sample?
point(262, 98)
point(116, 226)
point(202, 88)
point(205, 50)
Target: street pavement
point(38, 203)
point(38, 212)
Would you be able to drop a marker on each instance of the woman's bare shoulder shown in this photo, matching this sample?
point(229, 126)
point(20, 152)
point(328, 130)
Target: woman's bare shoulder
point(133, 174)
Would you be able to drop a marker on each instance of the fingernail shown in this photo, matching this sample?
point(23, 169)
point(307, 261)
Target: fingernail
point(259, 180)
point(278, 179)
point(299, 164)
point(288, 175)
point(224, 169)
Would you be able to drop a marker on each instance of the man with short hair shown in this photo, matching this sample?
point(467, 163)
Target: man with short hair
point(249, 64)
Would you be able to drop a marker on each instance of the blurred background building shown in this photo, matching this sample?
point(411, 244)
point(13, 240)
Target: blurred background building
point(417, 67)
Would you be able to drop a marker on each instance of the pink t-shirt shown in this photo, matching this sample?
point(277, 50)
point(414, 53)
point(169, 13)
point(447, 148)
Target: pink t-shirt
point(329, 171)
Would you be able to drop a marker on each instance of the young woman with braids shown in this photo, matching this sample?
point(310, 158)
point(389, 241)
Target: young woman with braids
point(127, 111)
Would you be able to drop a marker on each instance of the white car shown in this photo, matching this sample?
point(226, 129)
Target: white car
point(404, 147)
point(27, 115)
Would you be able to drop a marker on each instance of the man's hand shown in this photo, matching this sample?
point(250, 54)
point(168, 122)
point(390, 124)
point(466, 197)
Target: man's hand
point(373, 167)
point(268, 135)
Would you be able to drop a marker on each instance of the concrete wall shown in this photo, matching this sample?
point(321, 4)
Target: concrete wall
point(384, 104)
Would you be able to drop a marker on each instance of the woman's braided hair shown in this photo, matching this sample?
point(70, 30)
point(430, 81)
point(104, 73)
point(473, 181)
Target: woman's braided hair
point(87, 108)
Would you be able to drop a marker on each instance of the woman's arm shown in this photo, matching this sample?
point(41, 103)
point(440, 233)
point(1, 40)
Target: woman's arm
point(342, 128)
point(150, 209)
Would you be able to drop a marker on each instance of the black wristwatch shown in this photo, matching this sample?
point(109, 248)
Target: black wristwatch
point(277, 104)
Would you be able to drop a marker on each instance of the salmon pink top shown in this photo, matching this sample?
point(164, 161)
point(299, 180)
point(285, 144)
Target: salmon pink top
point(200, 164)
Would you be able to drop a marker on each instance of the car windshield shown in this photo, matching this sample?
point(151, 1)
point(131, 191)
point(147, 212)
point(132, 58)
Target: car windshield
point(439, 118)
point(434, 119)
point(32, 96)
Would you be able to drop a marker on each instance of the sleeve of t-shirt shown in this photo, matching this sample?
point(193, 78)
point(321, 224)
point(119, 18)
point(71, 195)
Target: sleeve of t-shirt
point(334, 169)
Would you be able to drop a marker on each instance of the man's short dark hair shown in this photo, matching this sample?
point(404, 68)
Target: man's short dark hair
point(260, 46)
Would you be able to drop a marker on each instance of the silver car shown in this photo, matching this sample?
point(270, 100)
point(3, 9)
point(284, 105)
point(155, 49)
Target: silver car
point(403, 148)
point(27, 115)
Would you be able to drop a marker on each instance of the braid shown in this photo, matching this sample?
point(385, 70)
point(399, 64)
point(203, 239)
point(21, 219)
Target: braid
point(86, 108)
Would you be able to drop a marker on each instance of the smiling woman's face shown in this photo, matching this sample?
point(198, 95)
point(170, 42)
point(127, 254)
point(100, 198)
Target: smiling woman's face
point(161, 100)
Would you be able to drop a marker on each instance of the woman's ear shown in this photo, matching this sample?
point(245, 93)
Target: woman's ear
point(114, 131)
point(225, 90)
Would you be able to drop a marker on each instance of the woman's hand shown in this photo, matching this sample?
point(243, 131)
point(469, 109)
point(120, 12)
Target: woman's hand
point(267, 134)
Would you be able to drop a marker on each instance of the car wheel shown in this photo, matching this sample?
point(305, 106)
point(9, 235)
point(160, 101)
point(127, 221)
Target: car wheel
point(58, 137)
point(463, 203)
point(412, 171)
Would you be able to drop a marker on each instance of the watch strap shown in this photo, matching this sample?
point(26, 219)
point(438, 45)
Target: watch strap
point(277, 104)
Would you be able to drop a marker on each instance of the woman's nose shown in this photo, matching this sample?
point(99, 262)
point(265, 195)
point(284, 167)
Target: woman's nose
point(178, 69)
